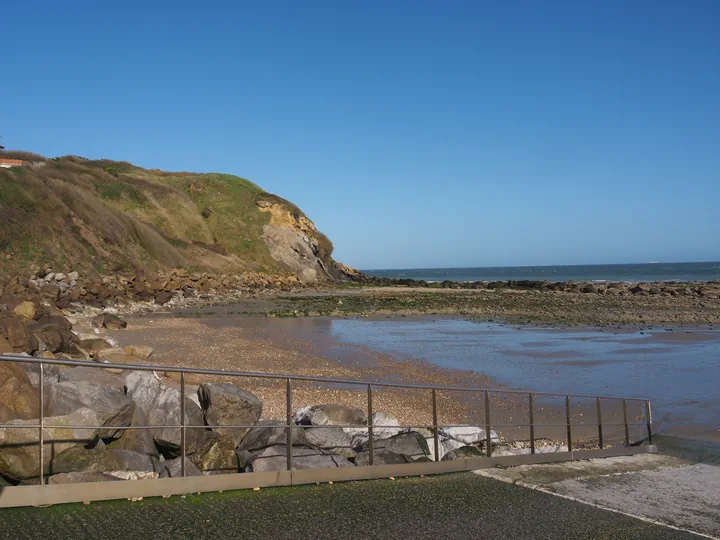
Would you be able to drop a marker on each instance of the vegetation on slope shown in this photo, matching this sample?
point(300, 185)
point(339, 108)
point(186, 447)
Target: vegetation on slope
point(110, 216)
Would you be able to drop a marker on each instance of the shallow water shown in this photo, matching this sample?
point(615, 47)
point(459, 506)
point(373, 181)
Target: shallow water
point(678, 370)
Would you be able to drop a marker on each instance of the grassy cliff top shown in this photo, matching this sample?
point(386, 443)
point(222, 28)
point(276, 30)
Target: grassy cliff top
point(109, 216)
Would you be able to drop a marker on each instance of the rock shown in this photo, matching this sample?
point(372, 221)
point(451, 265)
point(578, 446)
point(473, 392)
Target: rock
point(142, 352)
point(80, 478)
point(216, 456)
point(91, 388)
point(87, 374)
point(331, 439)
point(57, 340)
point(412, 445)
point(17, 335)
point(59, 276)
point(464, 452)
point(468, 434)
point(161, 404)
point(19, 446)
point(172, 468)
point(79, 459)
point(5, 347)
point(162, 297)
point(274, 458)
point(18, 398)
point(108, 320)
point(117, 356)
point(382, 457)
point(137, 440)
point(27, 310)
point(73, 276)
point(95, 345)
point(319, 415)
point(190, 378)
point(380, 419)
point(270, 433)
point(226, 404)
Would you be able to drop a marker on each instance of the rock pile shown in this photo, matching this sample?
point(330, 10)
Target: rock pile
point(64, 290)
point(326, 435)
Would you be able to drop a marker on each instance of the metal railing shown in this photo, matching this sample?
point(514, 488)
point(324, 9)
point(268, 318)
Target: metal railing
point(436, 427)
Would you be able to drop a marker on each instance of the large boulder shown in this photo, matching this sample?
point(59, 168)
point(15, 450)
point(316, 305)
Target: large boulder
point(331, 439)
point(79, 459)
point(57, 340)
point(216, 456)
point(107, 476)
point(270, 433)
point(137, 440)
point(383, 428)
point(18, 398)
point(96, 390)
point(94, 345)
point(172, 468)
point(18, 336)
point(27, 310)
point(464, 452)
point(19, 446)
point(468, 434)
point(381, 457)
point(320, 415)
point(410, 444)
point(143, 352)
point(274, 458)
point(161, 404)
point(226, 404)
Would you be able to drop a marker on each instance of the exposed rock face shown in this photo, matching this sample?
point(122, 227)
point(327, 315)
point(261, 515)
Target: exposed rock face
point(274, 458)
point(18, 398)
point(19, 447)
point(161, 405)
point(225, 404)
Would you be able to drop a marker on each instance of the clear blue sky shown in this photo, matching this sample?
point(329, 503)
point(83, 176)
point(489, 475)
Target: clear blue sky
point(415, 134)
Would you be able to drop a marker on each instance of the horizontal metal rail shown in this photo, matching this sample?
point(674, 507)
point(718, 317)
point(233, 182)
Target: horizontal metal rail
point(256, 375)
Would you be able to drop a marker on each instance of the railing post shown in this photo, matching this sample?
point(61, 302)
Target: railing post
point(41, 435)
point(436, 435)
point(289, 414)
point(599, 421)
point(488, 439)
point(625, 420)
point(371, 443)
point(531, 411)
point(648, 418)
point(182, 424)
point(569, 423)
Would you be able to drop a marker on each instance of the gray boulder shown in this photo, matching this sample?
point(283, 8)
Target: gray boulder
point(137, 440)
point(464, 452)
point(331, 439)
point(320, 415)
point(19, 446)
point(172, 468)
point(94, 389)
point(270, 433)
point(226, 404)
point(161, 404)
point(411, 444)
point(382, 457)
point(80, 478)
point(468, 434)
point(274, 458)
point(79, 459)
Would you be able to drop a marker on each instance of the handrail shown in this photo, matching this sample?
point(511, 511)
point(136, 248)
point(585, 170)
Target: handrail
point(289, 421)
point(307, 378)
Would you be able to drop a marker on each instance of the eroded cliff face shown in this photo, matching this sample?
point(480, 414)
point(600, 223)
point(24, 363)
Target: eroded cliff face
point(295, 243)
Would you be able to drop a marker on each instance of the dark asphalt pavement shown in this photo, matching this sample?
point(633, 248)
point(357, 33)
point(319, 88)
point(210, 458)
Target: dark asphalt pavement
point(441, 507)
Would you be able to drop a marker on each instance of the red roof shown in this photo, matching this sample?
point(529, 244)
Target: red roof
point(11, 161)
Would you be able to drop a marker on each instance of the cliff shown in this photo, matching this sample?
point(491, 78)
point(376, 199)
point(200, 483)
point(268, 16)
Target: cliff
point(104, 217)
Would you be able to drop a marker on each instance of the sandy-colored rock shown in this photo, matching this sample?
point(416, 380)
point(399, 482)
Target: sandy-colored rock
point(28, 310)
point(18, 398)
point(143, 352)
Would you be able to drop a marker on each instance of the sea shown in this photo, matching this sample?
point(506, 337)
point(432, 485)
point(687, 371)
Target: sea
point(632, 273)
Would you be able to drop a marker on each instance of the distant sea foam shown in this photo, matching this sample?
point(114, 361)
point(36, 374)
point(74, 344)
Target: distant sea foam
point(632, 273)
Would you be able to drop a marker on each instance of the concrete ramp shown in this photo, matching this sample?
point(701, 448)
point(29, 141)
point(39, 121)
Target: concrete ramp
point(654, 487)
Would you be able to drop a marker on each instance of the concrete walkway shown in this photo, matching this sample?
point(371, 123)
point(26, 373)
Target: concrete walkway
point(658, 488)
point(457, 506)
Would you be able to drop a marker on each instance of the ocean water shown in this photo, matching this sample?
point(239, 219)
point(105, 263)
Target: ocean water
point(688, 271)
